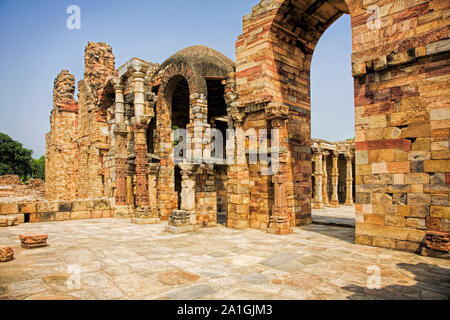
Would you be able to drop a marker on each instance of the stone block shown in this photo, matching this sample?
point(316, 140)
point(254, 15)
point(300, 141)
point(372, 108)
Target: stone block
point(416, 223)
point(8, 208)
point(47, 206)
point(440, 212)
point(62, 216)
point(408, 246)
point(398, 167)
point(80, 215)
point(65, 206)
point(33, 241)
point(395, 221)
point(417, 178)
point(108, 213)
point(418, 199)
point(8, 220)
point(79, 206)
point(45, 216)
point(96, 214)
point(439, 200)
point(101, 205)
point(6, 254)
point(433, 224)
point(439, 241)
point(364, 240)
point(436, 165)
point(377, 156)
point(374, 219)
point(421, 144)
point(390, 232)
point(383, 243)
point(27, 207)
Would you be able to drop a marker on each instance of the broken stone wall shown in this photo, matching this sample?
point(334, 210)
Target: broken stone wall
point(61, 141)
point(45, 211)
point(94, 138)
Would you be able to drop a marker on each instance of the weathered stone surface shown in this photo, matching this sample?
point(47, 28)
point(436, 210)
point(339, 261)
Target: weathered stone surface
point(177, 278)
point(439, 241)
point(6, 254)
point(9, 220)
point(33, 241)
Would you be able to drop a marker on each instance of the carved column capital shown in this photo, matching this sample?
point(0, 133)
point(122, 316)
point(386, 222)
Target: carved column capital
point(277, 110)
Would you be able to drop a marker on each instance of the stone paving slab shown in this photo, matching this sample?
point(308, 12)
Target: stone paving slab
point(114, 259)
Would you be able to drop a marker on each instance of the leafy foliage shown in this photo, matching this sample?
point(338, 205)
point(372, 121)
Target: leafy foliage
point(14, 158)
point(38, 168)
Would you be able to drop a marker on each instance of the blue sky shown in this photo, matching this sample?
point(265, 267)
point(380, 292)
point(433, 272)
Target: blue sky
point(36, 46)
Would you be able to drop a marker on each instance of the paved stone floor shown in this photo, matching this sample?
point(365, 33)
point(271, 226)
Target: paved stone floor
point(342, 216)
point(114, 259)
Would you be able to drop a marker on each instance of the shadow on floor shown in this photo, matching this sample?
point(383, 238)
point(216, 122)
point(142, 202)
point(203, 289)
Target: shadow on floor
point(341, 233)
point(433, 283)
point(332, 221)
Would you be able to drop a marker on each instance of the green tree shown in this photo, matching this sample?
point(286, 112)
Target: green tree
point(14, 158)
point(38, 168)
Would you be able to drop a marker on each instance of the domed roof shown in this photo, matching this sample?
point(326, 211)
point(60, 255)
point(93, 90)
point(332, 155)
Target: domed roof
point(204, 61)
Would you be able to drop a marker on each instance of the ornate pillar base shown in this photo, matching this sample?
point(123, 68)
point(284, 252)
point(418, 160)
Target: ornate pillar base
point(123, 211)
point(181, 221)
point(279, 222)
point(349, 204)
point(318, 206)
point(145, 215)
point(334, 204)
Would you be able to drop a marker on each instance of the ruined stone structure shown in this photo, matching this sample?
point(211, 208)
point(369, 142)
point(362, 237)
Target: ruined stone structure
point(117, 140)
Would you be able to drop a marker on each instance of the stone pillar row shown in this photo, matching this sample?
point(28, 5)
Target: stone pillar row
point(321, 197)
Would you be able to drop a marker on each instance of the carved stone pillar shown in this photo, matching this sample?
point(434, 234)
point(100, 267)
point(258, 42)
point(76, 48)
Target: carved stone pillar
point(120, 134)
point(325, 197)
point(335, 180)
point(140, 148)
point(349, 181)
point(280, 221)
point(143, 213)
point(183, 220)
point(318, 173)
point(153, 169)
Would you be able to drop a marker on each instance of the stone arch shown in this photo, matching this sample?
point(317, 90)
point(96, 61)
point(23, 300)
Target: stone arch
point(171, 76)
point(396, 63)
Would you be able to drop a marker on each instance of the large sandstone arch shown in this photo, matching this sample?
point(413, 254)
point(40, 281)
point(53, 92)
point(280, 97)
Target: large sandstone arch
point(401, 107)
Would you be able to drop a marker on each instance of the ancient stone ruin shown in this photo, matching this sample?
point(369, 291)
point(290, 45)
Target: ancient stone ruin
point(118, 151)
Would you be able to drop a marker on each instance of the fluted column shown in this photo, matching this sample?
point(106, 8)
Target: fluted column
point(335, 181)
point(318, 173)
point(349, 181)
point(325, 198)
